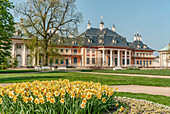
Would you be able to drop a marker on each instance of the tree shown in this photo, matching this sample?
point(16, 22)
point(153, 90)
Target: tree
point(6, 29)
point(43, 19)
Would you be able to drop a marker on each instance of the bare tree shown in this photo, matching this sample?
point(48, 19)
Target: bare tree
point(42, 19)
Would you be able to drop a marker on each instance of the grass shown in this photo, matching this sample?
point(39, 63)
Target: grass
point(16, 71)
point(164, 72)
point(154, 98)
point(103, 79)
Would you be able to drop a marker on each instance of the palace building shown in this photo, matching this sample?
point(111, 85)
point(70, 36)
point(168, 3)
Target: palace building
point(164, 56)
point(99, 47)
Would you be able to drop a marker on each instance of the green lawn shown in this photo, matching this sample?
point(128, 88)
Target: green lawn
point(16, 71)
point(103, 79)
point(164, 72)
point(154, 98)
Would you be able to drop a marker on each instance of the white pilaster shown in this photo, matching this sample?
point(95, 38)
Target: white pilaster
point(24, 55)
point(70, 61)
point(130, 58)
point(90, 56)
point(13, 50)
point(82, 56)
point(103, 56)
point(111, 57)
point(118, 57)
point(125, 58)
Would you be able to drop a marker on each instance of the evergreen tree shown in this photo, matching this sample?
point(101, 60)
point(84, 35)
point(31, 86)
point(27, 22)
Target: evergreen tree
point(6, 29)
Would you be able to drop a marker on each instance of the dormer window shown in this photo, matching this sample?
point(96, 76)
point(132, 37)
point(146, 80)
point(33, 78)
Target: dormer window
point(114, 41)
point(144, 47)
point(138, 46)
point(100, 41)
point(88, 40)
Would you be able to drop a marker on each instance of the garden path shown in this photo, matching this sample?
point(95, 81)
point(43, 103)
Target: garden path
point(150, 76)
point(144, 89)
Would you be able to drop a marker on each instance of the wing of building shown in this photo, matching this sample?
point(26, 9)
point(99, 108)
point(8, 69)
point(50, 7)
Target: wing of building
point(94, 47)
point(164, 56)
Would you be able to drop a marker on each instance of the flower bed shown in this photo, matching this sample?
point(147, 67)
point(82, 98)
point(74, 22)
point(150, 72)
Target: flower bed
point(138, 106)
point(60, 96)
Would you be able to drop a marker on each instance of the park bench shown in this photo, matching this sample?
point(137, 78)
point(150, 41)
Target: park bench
point(46, 68)
point(61, 68)
point(117, 68)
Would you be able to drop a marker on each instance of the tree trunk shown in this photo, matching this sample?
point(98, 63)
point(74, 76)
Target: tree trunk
point(46, 54)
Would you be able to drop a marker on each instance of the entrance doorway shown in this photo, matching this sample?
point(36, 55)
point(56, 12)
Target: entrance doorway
point(108, 61)
point(115, 61)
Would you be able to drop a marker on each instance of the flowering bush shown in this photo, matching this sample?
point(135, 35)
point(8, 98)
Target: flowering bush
point(138, 106)
point(60, 96)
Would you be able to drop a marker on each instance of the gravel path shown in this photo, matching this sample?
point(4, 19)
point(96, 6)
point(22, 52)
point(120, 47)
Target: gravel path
point(144, 89)
point(139, 75)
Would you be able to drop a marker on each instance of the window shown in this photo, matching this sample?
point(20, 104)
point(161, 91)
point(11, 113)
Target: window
point(150, 62)
point(140, 54)
point(140, 62)
point(100, 41)
point(93, 60)
point(56, 61)
point(123, 61)
point(127, 52)
point(61, 61)
point(146, 54)
point(108, 51)
point(93, 51)
point(88, 61)
point(150, 53)
point(138, 46)
point(114, 41)
point(75, 50)
point(137, 54)
point(18, 46)
point(66, 50)
point(123, 52)
point(75, 60)
point(87, 51)
point(61, 50)
point(115, 52)
point(128, 61)
point(137, 62)
point(143, 54)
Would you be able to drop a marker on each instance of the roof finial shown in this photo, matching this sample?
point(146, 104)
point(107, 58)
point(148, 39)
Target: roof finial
point(88, 24)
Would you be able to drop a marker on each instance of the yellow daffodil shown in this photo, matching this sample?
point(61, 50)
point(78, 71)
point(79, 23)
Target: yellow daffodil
point(82, 105)
point(62, 101)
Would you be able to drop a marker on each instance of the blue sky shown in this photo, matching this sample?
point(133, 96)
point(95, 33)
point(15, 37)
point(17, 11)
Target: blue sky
point(151, 18)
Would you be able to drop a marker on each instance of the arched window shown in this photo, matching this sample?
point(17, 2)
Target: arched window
point(29, 61)
point(75, 60)
point(19, 60)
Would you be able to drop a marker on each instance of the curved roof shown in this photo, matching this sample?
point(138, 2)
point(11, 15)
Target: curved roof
point(167, 48)
point(107, 36)
point(139, 45)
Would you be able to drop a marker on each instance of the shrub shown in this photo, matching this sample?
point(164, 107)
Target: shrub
point(57, 97)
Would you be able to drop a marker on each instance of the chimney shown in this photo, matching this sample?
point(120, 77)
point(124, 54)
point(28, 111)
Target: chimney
point(135, 37)
point(88, 25)
point(140, 38)
point(113, 28)
point(101, 25)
